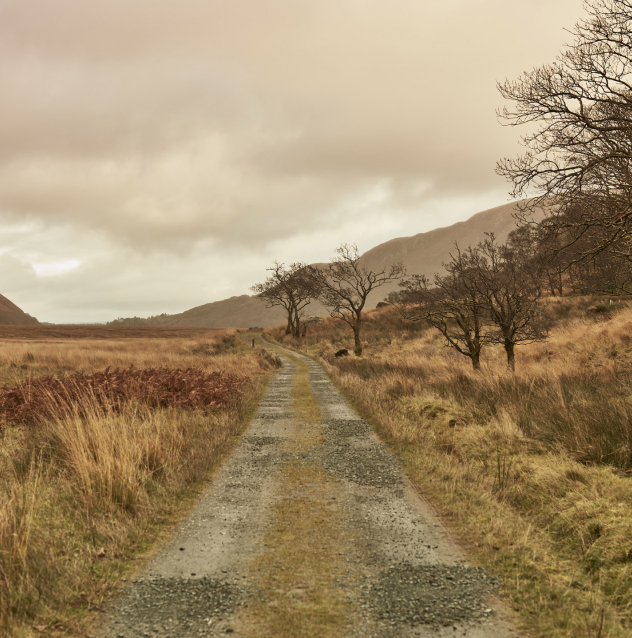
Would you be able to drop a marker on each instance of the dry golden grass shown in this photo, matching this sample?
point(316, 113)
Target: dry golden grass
point(85, 493)
point(529, 470)
point(20, 359)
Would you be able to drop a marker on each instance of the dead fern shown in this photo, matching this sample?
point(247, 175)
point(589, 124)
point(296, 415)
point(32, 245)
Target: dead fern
point(35, 400)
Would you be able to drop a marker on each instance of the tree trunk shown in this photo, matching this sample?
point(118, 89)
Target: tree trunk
point(296, 323)
point(560, 284)
point(288, 330)
point(357, 344)
point(356, 337)
point(551, 285)
point(475, 355)
point(511, 357)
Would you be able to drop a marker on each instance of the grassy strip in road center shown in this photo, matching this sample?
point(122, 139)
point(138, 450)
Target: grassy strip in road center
point(305, 406)
point(299, 572)
point(297, 576)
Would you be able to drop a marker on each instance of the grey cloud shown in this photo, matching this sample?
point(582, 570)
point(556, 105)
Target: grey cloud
point(161, 127)
point(113, 281)
point(160, 122)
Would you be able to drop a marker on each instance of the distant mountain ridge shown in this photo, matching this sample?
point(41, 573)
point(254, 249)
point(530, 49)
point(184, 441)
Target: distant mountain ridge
point(423, 253)
point(242, 311)
point(11, 315)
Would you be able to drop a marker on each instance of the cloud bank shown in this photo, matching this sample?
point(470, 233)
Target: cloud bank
point(171, 150)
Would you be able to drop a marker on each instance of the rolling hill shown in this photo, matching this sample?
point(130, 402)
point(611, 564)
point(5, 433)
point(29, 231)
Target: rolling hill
point(422, 254)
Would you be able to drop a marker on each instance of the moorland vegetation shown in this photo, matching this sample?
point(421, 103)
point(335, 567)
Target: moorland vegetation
point(104, 443)
point(519, 431)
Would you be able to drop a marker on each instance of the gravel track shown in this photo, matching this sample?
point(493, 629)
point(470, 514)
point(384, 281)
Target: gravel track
point(402, 576)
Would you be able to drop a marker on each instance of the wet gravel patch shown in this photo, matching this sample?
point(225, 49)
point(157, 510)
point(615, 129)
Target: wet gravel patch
point(259, 442)
point(430, 595)
point(350, 454)
point(176, 608)
point(273, 416)
point(347, 427)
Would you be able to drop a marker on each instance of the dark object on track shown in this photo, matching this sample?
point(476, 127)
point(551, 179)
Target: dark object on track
point(342, 353)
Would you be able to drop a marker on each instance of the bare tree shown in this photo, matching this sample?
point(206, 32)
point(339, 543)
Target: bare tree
point(344, 285)
point(509, 280)
point(578, 160)
point(490, 294)
point(555, 259)
point(291, 288)
point(605, 272)
point(454, 306)
point(304, 289)
point(569, 261)
point(545, 254)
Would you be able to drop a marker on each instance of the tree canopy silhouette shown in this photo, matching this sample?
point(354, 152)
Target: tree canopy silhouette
point(577, 161)
point(290, 287)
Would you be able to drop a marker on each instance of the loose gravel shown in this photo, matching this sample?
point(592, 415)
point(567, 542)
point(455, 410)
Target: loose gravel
point(351, 454)
point(154, 608)
point(424, 594)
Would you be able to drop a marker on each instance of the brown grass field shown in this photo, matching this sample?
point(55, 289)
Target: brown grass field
point(56, 332)
point(96, 466)
point(532, 471)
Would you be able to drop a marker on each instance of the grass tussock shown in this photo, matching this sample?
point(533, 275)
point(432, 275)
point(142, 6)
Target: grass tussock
point(531, 470)
point(117, 456)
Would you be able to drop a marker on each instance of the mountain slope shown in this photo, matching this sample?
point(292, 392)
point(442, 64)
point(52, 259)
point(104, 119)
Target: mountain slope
point(421, 254)
point(11, 315)
point(236, 312)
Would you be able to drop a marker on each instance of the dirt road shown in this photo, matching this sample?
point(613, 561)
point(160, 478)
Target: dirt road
point(309, 529)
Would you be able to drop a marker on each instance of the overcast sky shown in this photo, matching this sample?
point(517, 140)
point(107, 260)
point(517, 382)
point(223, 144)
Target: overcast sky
point(156, 155)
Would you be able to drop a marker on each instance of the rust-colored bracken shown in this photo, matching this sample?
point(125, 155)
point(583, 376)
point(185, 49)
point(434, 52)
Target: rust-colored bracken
point(35, 400)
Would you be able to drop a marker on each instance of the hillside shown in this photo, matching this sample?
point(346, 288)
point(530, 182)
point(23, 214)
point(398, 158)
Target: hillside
point(11, 315)
point(243, 311)
point(422, 254)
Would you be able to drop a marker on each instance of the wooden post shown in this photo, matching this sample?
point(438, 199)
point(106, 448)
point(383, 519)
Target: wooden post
point(253, 342)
